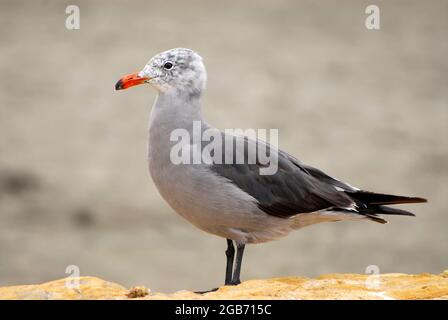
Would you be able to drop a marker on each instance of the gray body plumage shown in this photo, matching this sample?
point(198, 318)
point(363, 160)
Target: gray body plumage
point(204, 196)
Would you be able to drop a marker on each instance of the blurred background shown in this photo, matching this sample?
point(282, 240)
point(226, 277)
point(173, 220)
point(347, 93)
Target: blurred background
point(368, 106)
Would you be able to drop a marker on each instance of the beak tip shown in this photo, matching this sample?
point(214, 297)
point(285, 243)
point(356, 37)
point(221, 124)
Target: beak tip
point(119, 85)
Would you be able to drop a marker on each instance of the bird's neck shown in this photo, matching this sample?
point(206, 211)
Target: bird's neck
point(171, 114)
point(175, 111)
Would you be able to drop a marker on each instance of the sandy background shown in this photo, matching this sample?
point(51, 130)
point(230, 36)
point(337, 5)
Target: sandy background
point(369, 107)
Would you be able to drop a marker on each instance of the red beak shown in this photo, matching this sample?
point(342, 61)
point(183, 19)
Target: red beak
point(130, 80)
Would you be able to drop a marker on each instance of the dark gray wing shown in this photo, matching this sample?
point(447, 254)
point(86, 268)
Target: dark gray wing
point(320, 175)
point(293, 189)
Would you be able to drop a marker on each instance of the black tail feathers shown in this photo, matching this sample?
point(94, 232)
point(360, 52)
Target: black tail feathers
point(393, 211)
point(380, 198)
point(371, 204)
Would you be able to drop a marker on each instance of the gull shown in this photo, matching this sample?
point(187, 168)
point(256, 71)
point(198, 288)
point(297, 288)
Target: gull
point(234, 200)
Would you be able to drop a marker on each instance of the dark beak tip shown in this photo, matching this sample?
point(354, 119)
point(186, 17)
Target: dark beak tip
point(118, 85)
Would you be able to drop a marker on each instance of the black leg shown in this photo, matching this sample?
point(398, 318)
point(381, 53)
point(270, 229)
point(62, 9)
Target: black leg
point(232, 274)
point(239, 259)
point(230, 254)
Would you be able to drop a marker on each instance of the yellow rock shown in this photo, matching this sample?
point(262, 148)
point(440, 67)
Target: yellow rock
point(65, 289)
point(329, 286)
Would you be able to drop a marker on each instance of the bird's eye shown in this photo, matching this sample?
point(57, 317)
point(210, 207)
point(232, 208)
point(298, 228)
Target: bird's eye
point(168, 65)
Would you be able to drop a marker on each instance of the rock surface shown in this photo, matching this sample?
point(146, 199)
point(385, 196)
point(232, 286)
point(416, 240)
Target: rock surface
point(330, 286)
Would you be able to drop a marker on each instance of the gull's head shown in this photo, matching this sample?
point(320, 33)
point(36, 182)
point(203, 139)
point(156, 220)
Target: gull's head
point(174, 71)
